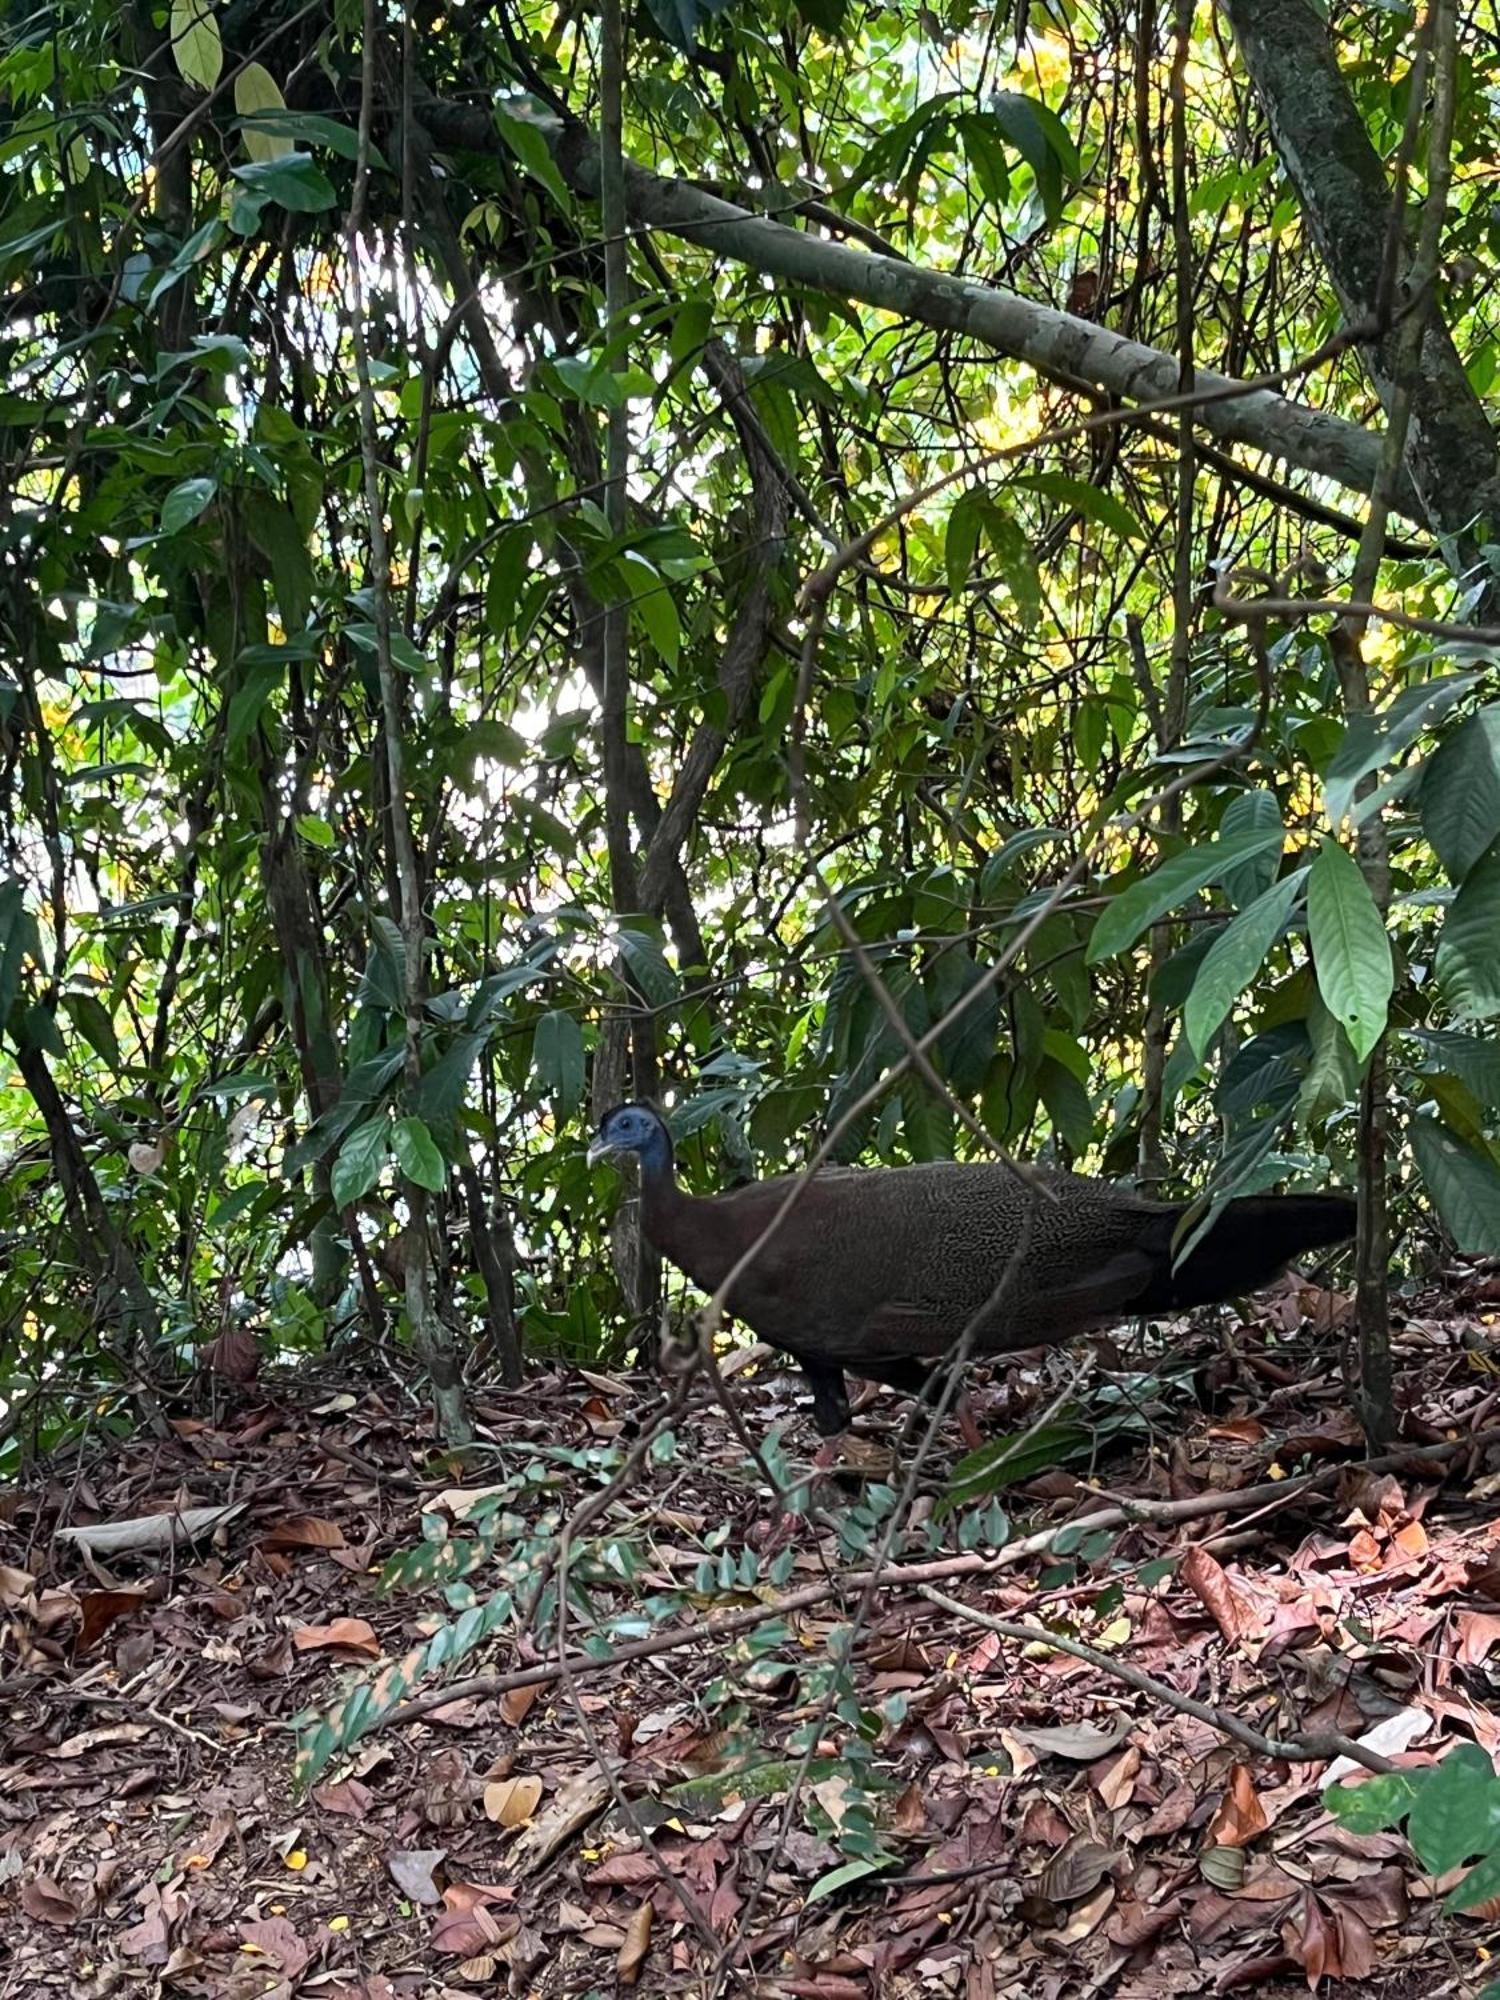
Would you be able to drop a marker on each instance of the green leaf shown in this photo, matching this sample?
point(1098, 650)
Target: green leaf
point(961, 537)
point(509, 562)
point(249, 699)
point(1474, 1060)
point(1480, 1885)
point(1041, 139)
point(293, 180)
point(1245, 812)
point(840, 1878)
point(648, 968)
point(417, 1155)
point(197, 48)
point(1351, 952)
point(1456, 1812)
point(1235, 957)
point(1464, 1183)
point(1374, 1805)
point(656, 608)
point(185, 503)
point(273, 529)
point(532, 151)
point(1085, 499)
point(91, 1018)
point(1139, 906)
point(361, 1161)
point(1460, 796)
point(1001, 1462)
point(1371, 741)
point(316, 831)
point(1468, 953)
point(1067, 1103)
point(558, 1057)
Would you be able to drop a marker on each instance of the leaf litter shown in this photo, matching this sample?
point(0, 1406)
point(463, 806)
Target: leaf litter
point(962, 1815)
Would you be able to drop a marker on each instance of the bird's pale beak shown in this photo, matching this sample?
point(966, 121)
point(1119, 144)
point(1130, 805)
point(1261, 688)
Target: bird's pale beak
point(599, 1149)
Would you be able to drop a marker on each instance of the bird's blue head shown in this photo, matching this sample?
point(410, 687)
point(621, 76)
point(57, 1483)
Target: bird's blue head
point(634, 1128)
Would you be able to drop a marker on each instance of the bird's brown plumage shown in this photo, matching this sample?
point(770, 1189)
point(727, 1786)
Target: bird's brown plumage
point(881, 1270)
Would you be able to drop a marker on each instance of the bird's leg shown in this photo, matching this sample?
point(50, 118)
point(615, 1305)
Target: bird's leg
point(830, 1397)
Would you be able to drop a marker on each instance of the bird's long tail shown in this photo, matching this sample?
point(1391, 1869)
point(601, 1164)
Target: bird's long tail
point(1251, 1243)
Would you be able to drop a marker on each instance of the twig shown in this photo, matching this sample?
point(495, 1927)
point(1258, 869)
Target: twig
point(1321, 1747)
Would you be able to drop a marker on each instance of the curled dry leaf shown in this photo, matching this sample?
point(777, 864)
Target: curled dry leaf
point(348, 1635)
point(512, 1801)
point(303, 1531)
point(1240, 1817)
point(637, 1943)
point(1209, 1582)
point(1079, 1742)
point(1077, 1871)
point(414, 1869)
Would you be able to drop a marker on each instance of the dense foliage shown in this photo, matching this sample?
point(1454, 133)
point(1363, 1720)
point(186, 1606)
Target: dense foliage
point(414, 728)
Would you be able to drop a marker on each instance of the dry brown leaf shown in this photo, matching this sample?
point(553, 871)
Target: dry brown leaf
point(637, 1943)
point(49, 1902)
point(101, 1608)
point(1115, 1780)
point(1077, 1871)
point(512, 1801)
point(348, 1635)
point(1209, 1582)
point(515, 1703)
point(1240, 1817)
point(303, 1531)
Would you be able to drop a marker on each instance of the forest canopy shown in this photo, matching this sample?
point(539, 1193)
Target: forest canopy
point(905, 576)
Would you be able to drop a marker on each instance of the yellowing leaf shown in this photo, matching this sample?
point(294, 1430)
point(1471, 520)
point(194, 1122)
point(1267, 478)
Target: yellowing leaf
point(255, 89)
point(196, 47)
point(297, 1859)
point(338, 1923)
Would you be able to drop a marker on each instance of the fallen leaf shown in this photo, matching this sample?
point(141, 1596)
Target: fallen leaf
point(413, 1869)
point(1240, 1817)
point(303, 1531)
point(49, 1902)
point(512, 1801)
point(637, 1944)
point(348, 1635)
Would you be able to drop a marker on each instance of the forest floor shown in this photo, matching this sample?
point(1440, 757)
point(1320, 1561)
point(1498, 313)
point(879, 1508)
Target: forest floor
point(978, 1818)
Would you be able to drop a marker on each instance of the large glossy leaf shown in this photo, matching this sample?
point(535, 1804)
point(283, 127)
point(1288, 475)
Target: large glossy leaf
point(1468, 953)
point(1234, 958)
point(1463, 1182)
point(197, 48)
point(1372, 741)
point(417, 1155)
point(1351, 951)
point(361, 1161)
point(1139, 906)
point(1474, 1060)
point(1460, 797)
point(558, 1054)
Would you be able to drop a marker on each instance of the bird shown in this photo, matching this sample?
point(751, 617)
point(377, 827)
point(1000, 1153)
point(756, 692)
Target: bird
point(880, 1270)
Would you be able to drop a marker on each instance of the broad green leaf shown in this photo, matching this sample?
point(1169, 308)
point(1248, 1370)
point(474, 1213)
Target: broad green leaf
point(293, 180)
point(1472, 1059)
point(840, 1878)
point(255, 89)
point(1373, 1805)
point(185, 503)
point(533, 152)
point(361, 1161)
point(1235, 957)
point(273, 529)
point(417, 1155)
point(509, 561)
point(1351, 952)
point(961, 537)
point(1464, 1183)
point(1468, 953)
point(558, 1054)
point(1247, 812)
point(249, 699)
point(1085, 499)
point(91, 1018)
point(197, 48)
point(1460, 797)
point(648, 968)
point(1371, 741)
point(1139, 906)
point(1456, 1813)
point(655, 607)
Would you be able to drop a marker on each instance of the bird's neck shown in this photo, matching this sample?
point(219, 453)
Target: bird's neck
point(665, 1205)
